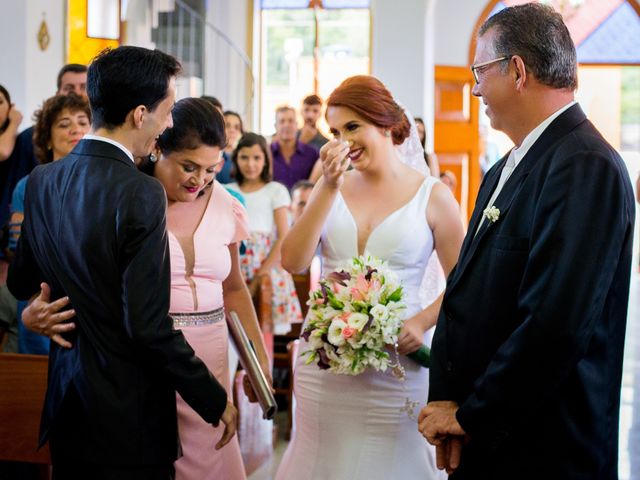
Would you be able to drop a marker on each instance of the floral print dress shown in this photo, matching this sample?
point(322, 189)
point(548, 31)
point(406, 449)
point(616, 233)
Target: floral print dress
point(260, 205)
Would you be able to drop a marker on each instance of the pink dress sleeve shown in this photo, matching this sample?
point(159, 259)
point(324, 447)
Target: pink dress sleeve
point(241, 221)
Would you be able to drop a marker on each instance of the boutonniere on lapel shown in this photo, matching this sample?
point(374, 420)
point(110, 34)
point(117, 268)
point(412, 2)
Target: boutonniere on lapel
point(492, 213)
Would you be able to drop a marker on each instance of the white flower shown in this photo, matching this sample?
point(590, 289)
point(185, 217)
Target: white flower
point(335, 332)
point(492, 213)
point(379, 313)
point(315, 340)
point(329, 313)
point(357, 321)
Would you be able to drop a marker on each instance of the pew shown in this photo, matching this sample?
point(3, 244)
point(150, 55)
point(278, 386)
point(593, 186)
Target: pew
point(23, 384)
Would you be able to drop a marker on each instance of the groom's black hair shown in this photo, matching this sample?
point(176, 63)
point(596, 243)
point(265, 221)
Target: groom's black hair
point(120, 79)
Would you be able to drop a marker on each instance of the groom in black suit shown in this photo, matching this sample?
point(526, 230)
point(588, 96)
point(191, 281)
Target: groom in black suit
point(527, 353)
point(94, 230)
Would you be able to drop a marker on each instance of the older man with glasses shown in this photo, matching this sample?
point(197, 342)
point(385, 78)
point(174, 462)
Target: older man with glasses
point(527, 354)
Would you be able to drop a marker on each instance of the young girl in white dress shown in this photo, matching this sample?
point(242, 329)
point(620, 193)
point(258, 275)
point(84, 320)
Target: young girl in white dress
point(267, 205)
point(350, 427)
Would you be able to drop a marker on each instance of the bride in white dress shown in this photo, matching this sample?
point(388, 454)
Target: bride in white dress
point(350, 427)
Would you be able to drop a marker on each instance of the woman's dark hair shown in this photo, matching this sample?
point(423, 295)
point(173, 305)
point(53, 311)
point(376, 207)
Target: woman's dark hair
point(248, 140)
point(196, 122)
point(423, 141)
point(120, 79)
point(46, 117)
point(5, 92)
point(214, 100)
point(369, 98)
point(237, 115)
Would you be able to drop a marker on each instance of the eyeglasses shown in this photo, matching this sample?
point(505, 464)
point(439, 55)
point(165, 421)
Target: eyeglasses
point(474, 68)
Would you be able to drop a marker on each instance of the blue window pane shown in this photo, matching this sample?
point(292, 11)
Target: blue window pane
point(497, 7)
point(346, 3)
point(272, 4)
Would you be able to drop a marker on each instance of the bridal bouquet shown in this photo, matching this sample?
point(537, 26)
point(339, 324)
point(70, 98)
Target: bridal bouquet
point(355, 315)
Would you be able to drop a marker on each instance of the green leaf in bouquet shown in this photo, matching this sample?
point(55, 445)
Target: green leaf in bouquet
point(396, 296)
point(360, 307)
point(335, 303)
point(311, 356)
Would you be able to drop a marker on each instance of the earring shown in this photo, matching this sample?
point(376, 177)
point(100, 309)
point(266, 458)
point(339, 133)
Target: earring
point(387, 133)
point(153, 158)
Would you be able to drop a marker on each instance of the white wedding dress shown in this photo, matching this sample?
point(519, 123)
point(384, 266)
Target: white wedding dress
point(352, 427)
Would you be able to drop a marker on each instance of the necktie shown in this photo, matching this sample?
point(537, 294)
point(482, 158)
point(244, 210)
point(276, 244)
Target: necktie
point(507, 170)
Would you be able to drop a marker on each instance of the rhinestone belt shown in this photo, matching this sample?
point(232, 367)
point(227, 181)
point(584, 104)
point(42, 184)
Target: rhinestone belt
point(197, 318)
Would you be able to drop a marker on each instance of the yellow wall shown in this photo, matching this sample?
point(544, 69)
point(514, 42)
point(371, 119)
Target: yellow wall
point(80, 48)
point(599, 95)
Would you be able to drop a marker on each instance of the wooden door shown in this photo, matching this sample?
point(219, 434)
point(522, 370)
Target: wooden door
point(456, 135)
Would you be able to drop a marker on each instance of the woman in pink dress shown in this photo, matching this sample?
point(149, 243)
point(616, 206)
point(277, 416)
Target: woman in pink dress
point(205, 225)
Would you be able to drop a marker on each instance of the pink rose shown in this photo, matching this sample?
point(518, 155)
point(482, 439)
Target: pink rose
point(348, 332)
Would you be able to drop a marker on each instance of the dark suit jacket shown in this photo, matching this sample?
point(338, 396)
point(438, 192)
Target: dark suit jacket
point(530, 336)
point(94, 229)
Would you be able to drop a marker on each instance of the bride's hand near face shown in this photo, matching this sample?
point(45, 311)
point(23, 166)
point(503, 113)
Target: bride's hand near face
point(300, 244)
point(335, 162)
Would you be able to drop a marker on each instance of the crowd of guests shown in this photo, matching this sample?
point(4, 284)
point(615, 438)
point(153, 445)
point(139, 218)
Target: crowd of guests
point(266, 188)
point(273, 181)
point(130, 252)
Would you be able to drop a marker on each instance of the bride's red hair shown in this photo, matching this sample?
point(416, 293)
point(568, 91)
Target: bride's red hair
point(369, 98)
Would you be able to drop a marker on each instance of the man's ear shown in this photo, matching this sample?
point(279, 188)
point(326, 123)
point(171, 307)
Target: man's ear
point(138, 116)
point(520, 72)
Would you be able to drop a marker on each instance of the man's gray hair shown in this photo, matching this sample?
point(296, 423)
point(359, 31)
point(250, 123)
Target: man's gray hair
point(536, 33)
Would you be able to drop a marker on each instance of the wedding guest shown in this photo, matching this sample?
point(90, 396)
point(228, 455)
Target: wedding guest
point(8, 322)
point(215, 102)
point(430, 158)
point(206, 224)
point(300, 194)
point(390, 207)
point(94, 230)
point(233, 129)
point(449, 179)
point(527, 356)
point(60, 125)
point(72, 78)
point(10, 118)
point(311, 113)
point(267, 205)
point(225, 172)
point(292, 159)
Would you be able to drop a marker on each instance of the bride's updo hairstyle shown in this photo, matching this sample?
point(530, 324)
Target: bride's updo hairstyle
point(369, 98)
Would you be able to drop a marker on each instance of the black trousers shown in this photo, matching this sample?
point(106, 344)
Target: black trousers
point(68, 467)
point(78, 471)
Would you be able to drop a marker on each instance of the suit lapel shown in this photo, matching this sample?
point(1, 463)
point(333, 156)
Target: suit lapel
point(560, 127)
point(486, 189)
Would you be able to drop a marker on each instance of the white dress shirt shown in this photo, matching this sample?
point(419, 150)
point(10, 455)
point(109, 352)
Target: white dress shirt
point(517, 154)
point(89, 136)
